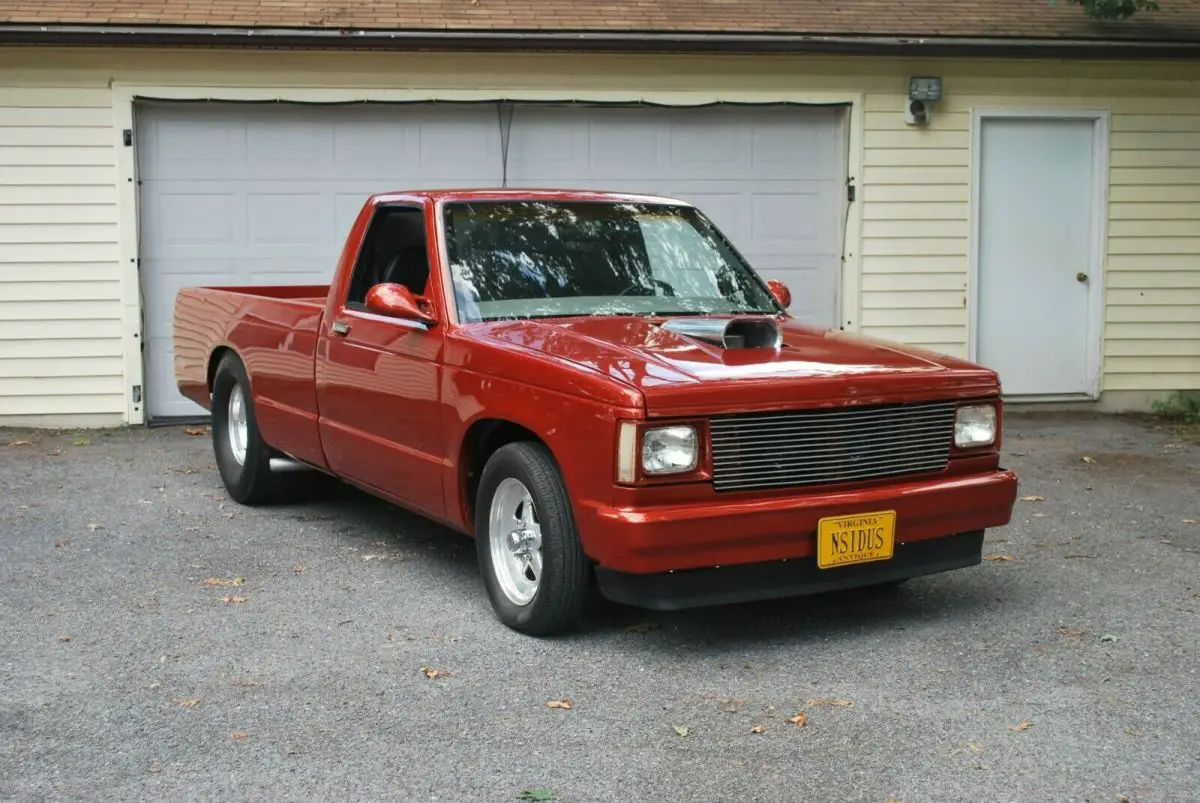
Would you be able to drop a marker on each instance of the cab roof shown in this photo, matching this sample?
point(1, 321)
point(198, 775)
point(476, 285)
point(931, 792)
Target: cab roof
point(522, 194)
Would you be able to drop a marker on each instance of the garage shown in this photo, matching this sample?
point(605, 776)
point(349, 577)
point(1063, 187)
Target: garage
point(250, 193)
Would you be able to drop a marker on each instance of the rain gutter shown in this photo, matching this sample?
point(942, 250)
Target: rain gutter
point(618, 41)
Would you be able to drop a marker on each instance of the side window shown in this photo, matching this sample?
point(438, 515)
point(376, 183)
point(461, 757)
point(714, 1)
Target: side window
point(393, 251)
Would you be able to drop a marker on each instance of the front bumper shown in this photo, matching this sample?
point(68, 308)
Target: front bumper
point(709, 534)
point(758, 581)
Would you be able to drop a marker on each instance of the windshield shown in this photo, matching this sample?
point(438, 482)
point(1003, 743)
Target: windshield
point(536, 259)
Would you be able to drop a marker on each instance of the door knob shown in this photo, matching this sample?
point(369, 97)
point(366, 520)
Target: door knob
point(1081, 277)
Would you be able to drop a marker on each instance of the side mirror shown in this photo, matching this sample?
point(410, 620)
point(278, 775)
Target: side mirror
point(396, 301)
point(781, 292)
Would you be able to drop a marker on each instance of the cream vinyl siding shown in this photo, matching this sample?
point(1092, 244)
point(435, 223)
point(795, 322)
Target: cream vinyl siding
point(61, 351)
point(69, 293)
point(1153, 335)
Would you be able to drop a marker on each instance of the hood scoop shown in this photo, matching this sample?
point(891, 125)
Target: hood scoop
point(730, 333)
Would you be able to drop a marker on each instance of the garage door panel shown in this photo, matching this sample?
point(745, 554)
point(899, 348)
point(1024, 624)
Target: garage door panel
point(289, 221)
point(280, 145)
point(715, 148)
point(798, 146)
point(798, 221)
point(179, 146)
point(238, 194)
point(180, 220)
point(160, 363)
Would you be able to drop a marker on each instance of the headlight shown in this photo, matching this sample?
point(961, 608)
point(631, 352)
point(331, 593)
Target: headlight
point(975, 425)
point(669, 450)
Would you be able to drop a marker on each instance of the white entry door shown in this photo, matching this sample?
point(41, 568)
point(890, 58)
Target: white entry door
point(1037, 271)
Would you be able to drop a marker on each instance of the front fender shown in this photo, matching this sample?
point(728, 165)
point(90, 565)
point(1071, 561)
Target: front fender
point(580, 433)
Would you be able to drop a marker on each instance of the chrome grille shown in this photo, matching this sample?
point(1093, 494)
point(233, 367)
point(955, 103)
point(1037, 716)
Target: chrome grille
point(819, 447)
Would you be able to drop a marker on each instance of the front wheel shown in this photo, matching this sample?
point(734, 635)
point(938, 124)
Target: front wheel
point(533, 565)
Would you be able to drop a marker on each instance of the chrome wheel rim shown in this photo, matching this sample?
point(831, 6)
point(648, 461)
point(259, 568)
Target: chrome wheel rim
point(238, 425)
point(515, 538)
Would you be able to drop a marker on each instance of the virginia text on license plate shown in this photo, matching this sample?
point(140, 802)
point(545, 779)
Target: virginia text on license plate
point(861, 538)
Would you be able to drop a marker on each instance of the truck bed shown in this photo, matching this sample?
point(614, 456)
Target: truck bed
point(275, 331)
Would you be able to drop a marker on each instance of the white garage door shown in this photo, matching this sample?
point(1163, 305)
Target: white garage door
point(265, 194)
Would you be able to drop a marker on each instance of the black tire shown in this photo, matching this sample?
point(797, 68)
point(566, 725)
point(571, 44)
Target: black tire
point(250, 482)
point(558, 602)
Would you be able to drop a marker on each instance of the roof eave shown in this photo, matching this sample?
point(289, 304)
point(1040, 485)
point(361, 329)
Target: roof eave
point(674, 42)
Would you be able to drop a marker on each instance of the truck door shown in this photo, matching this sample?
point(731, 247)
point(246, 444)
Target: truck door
point(378, 378)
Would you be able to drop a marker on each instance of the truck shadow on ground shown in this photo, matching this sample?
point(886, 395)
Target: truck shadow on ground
point(364, 521)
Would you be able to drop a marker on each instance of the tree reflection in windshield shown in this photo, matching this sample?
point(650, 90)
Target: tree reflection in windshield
point(522, 259)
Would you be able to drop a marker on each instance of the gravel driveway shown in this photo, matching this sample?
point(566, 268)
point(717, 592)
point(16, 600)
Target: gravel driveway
point(1067, 667)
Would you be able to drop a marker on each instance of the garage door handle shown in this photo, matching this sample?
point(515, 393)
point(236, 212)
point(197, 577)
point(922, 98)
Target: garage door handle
point(340, 328)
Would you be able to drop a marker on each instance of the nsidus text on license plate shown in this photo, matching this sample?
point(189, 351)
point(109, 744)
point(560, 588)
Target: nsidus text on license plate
point(861, 538)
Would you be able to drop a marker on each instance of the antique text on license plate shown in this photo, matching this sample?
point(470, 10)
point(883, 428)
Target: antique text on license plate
point(861, 538)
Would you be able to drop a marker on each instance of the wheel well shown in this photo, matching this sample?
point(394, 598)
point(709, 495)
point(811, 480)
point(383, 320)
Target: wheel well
point(481, 442)
point(214, 362)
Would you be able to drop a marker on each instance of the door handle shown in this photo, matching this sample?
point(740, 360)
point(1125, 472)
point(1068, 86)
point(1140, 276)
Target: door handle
point(340, 328)
point(1081, 277)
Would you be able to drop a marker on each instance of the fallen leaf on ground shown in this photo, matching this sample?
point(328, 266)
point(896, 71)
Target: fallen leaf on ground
point(565, 704)
point(220, 581)
point(1022, 726)
point(189, 703)
point(831, 701)
point(1032, 498)
point(239, 735)
point(682, 730)
point(233, 600)
point(1109, 638)
point(757, 729)
point(643, 627)
point(799, 720)
point(434, 674)
point(997, 557)
point(246, 683)
point(299, 569)
point(1087, 459)
point(196, 430)
point(537, 794)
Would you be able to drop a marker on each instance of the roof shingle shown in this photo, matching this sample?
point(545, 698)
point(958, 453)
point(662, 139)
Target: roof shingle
point(1178, 20)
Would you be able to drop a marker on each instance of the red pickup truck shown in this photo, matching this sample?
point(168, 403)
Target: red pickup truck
point(597, 387)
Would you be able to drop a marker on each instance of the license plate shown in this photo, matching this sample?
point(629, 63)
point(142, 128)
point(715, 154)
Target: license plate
point(861, 538)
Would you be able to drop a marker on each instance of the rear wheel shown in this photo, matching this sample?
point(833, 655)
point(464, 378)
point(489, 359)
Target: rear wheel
point(533, 565)
point(243, 457)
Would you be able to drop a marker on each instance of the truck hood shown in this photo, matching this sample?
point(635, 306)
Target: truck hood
point(684, 374)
